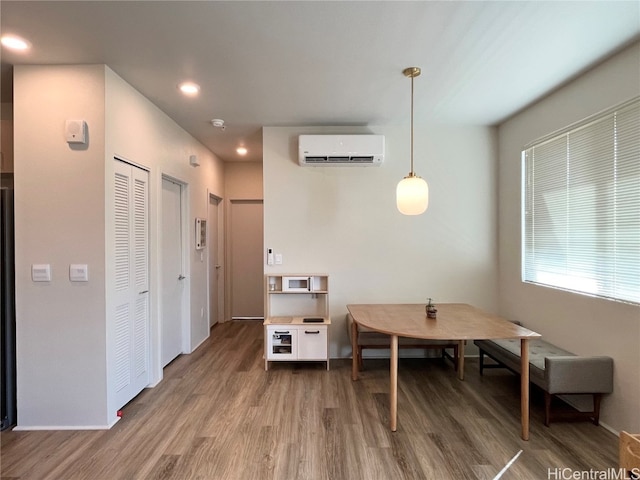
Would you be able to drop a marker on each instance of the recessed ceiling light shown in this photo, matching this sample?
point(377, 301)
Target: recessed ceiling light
point(15, 43)
point(189, 88)
point(241, 150)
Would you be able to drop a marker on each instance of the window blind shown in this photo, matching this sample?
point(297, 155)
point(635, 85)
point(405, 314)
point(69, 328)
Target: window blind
point(581, 206)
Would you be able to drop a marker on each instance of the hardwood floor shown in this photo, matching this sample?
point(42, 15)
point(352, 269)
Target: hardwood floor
point(219, 415)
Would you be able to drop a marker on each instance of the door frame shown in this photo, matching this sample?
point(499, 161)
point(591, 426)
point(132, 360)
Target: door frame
point(185, 307)
point(219, 228)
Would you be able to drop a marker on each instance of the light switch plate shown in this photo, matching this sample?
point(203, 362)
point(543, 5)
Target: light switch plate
point(79, 272)
point(41, 272)
point(278, 259)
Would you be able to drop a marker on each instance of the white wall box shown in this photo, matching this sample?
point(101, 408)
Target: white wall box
point(296, 318)
point(75, 131)
point(201, 233)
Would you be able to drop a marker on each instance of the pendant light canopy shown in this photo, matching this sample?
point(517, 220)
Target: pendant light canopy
point(412, 193)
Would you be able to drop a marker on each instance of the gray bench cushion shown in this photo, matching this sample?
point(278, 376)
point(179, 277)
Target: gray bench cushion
point(538, 350)
point(507, 352)
point(553, 369)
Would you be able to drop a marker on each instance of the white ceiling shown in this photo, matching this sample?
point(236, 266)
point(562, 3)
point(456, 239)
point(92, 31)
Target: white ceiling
point(283, 63)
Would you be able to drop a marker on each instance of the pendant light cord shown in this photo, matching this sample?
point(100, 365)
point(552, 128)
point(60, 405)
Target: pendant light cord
point(411, 174)
point(411, 72)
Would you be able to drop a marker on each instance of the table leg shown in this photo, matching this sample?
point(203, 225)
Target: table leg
point(354, 351)
point(461, 345)
point(394, 383)
point(524, 387)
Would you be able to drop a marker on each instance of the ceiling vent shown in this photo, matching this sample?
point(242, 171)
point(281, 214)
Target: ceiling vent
point(340, 150)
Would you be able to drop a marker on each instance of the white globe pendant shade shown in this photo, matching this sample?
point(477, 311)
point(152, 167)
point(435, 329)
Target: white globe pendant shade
point(412, 195)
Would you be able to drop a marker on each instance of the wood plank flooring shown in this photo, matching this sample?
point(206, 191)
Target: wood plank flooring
point(218, 415)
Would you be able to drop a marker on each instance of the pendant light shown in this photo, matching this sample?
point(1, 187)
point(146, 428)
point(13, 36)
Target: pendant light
point(412, 193)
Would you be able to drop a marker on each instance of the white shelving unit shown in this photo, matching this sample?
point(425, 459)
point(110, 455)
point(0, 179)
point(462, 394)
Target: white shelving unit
point(289, 302)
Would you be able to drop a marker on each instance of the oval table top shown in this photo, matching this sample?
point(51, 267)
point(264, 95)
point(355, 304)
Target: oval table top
point(455, 321)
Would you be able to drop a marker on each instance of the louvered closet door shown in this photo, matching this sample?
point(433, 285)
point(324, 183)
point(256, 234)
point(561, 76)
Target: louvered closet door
point(130, 339)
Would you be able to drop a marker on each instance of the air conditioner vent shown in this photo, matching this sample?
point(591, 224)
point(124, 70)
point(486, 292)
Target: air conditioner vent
point(367, 159)
point(310, 159)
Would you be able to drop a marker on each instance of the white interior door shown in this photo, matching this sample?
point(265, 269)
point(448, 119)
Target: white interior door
point(172, 271)
point(246, 233)
point(214, 265)
point(130, 327)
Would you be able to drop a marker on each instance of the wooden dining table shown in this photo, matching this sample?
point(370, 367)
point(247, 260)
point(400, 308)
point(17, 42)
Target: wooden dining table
point(454, 321)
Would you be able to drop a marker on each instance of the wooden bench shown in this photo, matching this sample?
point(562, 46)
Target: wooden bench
point(367, 338)
point(556, 372)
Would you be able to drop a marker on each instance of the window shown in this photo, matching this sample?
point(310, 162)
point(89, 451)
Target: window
point(581, 206)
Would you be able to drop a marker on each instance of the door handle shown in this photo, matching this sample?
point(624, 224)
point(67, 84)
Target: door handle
point(218, 266)
point(143, 292)
point(181, 277)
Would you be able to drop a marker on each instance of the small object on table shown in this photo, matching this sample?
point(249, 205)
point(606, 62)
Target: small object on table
point(431, 310)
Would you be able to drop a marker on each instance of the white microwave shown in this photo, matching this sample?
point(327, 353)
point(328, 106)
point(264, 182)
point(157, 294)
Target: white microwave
point(297, 284)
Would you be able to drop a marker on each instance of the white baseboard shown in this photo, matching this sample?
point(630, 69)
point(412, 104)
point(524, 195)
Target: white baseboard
point(196, 347)
point(21, 428)
point(154, 384)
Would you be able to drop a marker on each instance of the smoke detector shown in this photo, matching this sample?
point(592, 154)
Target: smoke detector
point(218, 123)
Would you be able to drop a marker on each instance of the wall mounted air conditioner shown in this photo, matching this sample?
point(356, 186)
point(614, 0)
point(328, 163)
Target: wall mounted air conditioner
point(340, 150)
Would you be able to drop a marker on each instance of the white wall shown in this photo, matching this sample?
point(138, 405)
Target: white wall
point(579, 323)
point(60, 219)
point(343, 220)
point(242, 181)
